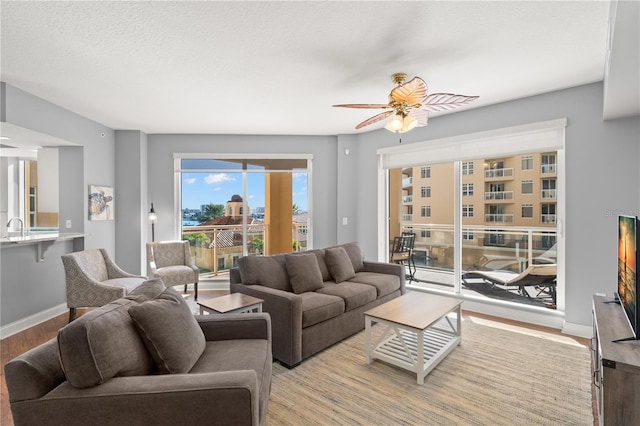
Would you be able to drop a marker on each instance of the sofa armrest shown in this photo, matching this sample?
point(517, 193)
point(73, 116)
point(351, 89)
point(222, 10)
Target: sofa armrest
point(285, 309)
point(228, 397)
point(387, 268)
point(235, 326)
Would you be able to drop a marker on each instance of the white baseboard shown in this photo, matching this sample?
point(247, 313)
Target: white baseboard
point(578, 330)
point(31, 320)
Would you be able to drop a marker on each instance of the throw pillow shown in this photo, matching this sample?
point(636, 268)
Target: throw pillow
point(170, 331)
point(304, 272)
point(355, 254)
point(339, 264)
point(269, 271)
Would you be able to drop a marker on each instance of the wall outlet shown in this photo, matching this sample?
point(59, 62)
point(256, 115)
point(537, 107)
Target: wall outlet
point(68, 223)
point(345, 221)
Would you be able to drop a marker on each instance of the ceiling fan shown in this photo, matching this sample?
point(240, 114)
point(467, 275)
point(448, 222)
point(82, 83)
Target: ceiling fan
point(410, 105)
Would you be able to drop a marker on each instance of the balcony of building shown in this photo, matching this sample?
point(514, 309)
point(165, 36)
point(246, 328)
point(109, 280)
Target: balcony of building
point(408, 181)
point(498, 218)
point(547, 169)
point(548, 194)
point(407, 199)
point(504, 173)
point(498, 196)
point(548, 219)
point(217, 248)
point(504, 249)
point(406, 217)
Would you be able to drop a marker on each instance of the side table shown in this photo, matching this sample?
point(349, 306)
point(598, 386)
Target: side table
point(231, 303)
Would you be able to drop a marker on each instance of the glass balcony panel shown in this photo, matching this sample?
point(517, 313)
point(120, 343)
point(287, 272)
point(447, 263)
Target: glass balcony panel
point(498, 173)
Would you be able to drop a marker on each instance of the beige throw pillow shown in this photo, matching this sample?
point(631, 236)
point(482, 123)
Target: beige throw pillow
point(169, 331)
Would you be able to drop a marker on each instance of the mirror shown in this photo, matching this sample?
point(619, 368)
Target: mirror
point(29, 179)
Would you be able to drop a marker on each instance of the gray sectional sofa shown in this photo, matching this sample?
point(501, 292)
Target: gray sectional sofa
point(316, 298)
point(145, 360)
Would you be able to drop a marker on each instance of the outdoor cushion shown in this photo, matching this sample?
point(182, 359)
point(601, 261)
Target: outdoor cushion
point(304, 272)
point(384, 284)
point(354, 294)
point(170, 331)
point(339, 264)
point(91, 353)
point(269, 271)
point(318, 307)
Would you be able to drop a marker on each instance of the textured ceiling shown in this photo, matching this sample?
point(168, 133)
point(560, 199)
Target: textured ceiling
point(277, 67)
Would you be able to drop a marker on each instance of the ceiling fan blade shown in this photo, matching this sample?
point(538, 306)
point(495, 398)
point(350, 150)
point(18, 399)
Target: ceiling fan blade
point(412, 92)
point(374, 119)
point(363, 106)
point(437, 102)
point(420, 115)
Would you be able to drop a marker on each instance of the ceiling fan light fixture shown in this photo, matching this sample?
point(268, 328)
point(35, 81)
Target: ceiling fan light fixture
point(395, 124)
point(408, 123)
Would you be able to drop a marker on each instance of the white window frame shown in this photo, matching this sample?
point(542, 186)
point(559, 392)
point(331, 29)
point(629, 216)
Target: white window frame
point(526, 205)
point(522, 186)
point(540, 137)
point(425, 211)
point(467, 189)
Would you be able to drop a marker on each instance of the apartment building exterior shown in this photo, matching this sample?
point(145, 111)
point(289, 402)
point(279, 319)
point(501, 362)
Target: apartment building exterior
point(507, 203)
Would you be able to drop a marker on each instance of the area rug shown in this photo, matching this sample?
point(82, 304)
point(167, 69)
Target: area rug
point(495, 377)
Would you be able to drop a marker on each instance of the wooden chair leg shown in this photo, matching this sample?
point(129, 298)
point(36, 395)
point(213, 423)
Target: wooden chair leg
point(72, 314)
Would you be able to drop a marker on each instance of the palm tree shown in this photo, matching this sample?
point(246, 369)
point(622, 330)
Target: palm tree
point(209, 212)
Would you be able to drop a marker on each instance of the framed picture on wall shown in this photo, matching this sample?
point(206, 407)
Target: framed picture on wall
point(101, 203)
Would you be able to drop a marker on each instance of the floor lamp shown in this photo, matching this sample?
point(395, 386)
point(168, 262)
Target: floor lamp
point(153, 218)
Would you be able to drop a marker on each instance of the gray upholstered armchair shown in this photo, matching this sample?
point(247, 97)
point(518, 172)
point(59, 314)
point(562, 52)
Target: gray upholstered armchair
point(172, 261)
point(143, 360)
point(93, 280)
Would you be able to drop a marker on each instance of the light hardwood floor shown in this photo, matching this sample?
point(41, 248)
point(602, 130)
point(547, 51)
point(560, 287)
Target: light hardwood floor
point(19, 343)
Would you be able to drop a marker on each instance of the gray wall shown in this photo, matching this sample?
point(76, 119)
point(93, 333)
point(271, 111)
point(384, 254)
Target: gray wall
point(599, 156)
point(602, 177)
point(323, 148)
point(28, 287)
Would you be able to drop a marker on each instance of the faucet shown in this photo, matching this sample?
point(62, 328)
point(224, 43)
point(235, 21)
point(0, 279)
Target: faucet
point(21, 225)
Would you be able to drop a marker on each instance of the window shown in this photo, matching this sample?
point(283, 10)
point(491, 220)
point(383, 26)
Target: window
point(548, 215)
point(425, 192)
point(467, 167)
point(425, 172)
point(548, 189)
point(425, 211)
point(548, 163)
point(527, 211)
point(527, 162)
point(467, 235)
point(467, 189)
point(467, 210)
point(527, 187)
point(425, 233)
point(235, 261)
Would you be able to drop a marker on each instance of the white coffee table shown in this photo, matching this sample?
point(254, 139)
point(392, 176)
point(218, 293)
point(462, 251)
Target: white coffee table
point(231, 303)
point(421, 330)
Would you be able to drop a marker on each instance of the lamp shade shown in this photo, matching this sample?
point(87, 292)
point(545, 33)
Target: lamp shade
point(153, 218)
point(395, 124)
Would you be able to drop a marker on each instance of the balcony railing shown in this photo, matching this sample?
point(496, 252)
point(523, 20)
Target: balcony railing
point(548, 194)
point(498, 173)
point(548, 218)
point(407, 199)
point(498, 195)
point(407, 181)
point(548, 168)
point(498, 218)
point(407, 217)
point(217, 248)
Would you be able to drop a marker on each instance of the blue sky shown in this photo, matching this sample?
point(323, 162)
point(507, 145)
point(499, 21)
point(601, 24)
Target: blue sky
point(219, 187)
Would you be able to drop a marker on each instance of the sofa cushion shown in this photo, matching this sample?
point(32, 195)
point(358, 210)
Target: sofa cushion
point(304, 272)
point(104, 343)
point(322, 264)
point(318, 307)
point(354, 294)
point(355, 254)
point(339, 264)
point(170, 331)
point(269, 271)
point(384, 283)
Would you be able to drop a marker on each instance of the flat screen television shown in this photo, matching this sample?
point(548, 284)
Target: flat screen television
point(628, 245)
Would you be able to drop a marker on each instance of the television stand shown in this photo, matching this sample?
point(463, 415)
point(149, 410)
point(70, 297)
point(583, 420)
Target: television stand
point(616, 367)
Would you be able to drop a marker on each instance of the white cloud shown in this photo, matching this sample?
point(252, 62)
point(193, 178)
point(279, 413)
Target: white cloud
point(190, 181)
point(217, 178)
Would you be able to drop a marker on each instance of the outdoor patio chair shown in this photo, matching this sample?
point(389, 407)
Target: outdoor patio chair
point(402, 253)
point(541, 277)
